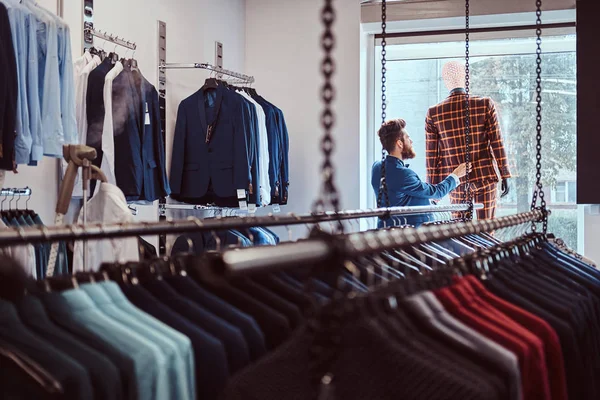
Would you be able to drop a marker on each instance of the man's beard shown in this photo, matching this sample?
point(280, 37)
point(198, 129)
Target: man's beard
point(408, 153)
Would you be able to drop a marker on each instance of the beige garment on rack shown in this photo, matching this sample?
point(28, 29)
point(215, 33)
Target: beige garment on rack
point(81, 83)
point(23, 254)
point(108, 206)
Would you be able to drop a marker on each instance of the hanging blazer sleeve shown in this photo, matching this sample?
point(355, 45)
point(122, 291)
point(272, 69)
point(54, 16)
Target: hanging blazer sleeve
point(178, 153)
point(252, 124)
point(242, 149)
point(285, 149)
point(159, 146)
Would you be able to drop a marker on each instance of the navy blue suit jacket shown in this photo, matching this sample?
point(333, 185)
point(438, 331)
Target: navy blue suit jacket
point(223, 161)
point(405, 188)
point(275, 148)
point(140, 166)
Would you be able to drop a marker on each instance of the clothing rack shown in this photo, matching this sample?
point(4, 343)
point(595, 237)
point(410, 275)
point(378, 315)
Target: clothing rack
point(289, 255)
point(16, 192)
point(110, 38)
point(221, 71)
point(193, 224)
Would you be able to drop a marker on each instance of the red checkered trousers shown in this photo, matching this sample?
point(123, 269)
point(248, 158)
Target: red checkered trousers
point(446, 148)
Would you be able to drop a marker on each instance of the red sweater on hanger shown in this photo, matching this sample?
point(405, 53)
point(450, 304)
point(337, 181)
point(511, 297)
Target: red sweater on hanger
point(539, 327)
point(533, 367)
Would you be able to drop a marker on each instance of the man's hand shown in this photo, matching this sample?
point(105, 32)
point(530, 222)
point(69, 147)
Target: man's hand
point(462, 170)
point(505, 188)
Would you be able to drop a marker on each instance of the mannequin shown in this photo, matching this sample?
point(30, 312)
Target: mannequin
point(446, 148)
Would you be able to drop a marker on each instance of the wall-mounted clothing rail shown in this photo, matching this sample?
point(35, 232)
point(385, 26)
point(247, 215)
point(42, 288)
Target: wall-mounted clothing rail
point(89, 232)
point(242, 77)
point(16, 192)
point(111, 38)
point(309, 252)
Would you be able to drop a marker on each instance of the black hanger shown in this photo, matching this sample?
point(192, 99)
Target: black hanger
point(114, 57)
point(85, 277)
point(210, 83)
point(62, 283)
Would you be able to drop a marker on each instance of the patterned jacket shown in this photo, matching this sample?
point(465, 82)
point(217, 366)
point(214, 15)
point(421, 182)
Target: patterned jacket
point(445, 139)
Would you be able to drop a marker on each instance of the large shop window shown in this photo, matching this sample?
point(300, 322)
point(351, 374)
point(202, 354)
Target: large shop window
point(503, 69)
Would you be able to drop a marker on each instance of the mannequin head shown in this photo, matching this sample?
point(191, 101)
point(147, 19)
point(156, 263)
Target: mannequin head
point(454, 75)
point(395, 140)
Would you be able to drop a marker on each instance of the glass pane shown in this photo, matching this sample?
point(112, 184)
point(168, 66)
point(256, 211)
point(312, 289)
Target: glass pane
point(503, 70)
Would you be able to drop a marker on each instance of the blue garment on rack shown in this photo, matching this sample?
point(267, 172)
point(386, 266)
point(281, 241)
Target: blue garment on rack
point(138, 359)
point(174, 366)
point(182, 342)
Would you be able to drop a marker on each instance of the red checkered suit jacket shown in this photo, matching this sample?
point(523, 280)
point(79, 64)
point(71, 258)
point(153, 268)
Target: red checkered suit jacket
point(445, 144)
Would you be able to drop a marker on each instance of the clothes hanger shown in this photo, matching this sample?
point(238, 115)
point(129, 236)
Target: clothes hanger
point(210, 83)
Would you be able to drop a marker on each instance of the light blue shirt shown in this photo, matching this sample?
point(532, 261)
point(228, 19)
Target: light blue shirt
point(67, 81)
point(77, 312)
point(177, 385)
point(183, 343)
point(49, 92)
point(18, 16)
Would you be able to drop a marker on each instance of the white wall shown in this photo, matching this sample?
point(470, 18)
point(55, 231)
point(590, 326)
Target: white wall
point(283, 52)
point(192, 28)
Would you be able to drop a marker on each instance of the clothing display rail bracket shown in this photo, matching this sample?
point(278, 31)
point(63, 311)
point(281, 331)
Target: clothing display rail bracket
point(93, 32)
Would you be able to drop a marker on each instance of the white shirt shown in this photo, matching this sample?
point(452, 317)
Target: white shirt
point(263, 156)
point(81, 85)
point(108, 140)
point(108, 206)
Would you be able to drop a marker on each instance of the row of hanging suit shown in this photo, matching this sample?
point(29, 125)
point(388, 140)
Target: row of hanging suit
point(525, 326)
point(118, 115)
point(155, 332)
point(37, 101)
point(407, 323)
point(230, 144)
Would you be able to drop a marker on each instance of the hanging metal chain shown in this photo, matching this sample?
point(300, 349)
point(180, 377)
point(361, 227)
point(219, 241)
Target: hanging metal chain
point(468, 199)
point(329, 193)
point(383, 199)
point(539, 188)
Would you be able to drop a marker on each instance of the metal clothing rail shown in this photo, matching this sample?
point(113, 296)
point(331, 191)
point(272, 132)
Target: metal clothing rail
point(16, 191)
point(192, 224)
point(289, 255)
point(242, 77)
point(110, 38)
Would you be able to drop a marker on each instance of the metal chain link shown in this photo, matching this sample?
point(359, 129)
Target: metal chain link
point(329, 193)
point(468, 198)
point(383, 199)
point(539, 188)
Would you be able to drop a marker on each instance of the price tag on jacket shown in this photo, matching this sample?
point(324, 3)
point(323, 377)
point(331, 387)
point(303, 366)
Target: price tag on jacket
point(252, 208)
point(241, 194)
point(147, 116)
point(276, 208)
point(243, 205)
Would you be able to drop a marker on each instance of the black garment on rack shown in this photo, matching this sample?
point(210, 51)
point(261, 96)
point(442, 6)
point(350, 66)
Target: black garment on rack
point(95, 111)
point(266, 296)
point(105, 378)
point(368, 366)
point(274, 325)
point(238, 353)
point(252, 333)
point(210, 146)
point(17, 383)
point(8, 93)
point(139, 148)
point(72, 375)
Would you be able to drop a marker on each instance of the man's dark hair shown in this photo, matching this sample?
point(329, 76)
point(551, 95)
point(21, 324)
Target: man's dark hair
point(390, 132)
